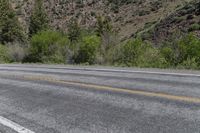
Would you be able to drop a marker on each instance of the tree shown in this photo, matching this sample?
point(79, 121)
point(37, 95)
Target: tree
point(10, 29)
point(39, 20)
point(74, 30)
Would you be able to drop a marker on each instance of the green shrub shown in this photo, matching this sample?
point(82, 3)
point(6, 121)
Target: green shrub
point(151, 57)
point(194, 27)
point(48, 47)
point(189, 47)
point(140, 54)
point(4, 57)
point(130, 52)
point(184, 52)
point(169, 55)
point(179, 19)
point(88, 50)
point(190, 63)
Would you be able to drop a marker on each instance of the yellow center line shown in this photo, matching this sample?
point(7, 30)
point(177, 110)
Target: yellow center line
point(121, 90)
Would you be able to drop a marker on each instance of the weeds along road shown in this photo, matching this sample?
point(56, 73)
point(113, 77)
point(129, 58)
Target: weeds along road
point(72, 99)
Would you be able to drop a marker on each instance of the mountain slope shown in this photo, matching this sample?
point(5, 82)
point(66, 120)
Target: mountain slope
point(127, 16)
point(183, 20)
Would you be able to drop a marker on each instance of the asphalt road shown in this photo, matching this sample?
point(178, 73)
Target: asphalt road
point(72, 99)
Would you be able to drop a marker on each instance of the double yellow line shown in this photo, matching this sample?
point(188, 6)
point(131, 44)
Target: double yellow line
point(120, 90)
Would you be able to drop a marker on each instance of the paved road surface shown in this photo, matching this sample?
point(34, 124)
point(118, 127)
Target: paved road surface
point(69, 99)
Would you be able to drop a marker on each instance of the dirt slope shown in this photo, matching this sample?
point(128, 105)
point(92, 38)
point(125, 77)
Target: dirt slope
point(127, 16)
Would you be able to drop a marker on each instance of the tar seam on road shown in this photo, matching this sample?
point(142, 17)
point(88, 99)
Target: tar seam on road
point(14, 126)
point(108, 88)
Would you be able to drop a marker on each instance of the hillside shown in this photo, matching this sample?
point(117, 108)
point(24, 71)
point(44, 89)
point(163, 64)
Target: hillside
point(127, 17)
point(182, 21)
point(103, 32)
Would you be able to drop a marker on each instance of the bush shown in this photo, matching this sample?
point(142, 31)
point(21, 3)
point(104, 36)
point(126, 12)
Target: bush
point(48, 47)
point(16, 52)
point(151, 57)
point(4, 57)
point(88, 50)
point(169, 55)
point(189, 64)
point(140, 54)
point(185, 52)
point(189, 47)
point(194, 27)
point(130, 52)
point(179, 19)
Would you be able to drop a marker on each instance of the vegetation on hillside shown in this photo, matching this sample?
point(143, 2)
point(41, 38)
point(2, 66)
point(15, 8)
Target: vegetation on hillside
point(39, 20)
point(127, 16)
point(184, 20)
point(99, 44)
point(10, 29)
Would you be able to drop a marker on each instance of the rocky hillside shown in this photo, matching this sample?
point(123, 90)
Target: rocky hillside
point(127, 16)
point(183, 20)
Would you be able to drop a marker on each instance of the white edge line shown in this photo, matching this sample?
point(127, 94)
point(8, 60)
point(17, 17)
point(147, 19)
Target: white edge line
point(144, 72)
point(117, 70)
point(14, 126)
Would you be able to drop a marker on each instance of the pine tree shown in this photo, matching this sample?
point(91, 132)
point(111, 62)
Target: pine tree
point(74, 30)
point(10, 29)
point(39, 20)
